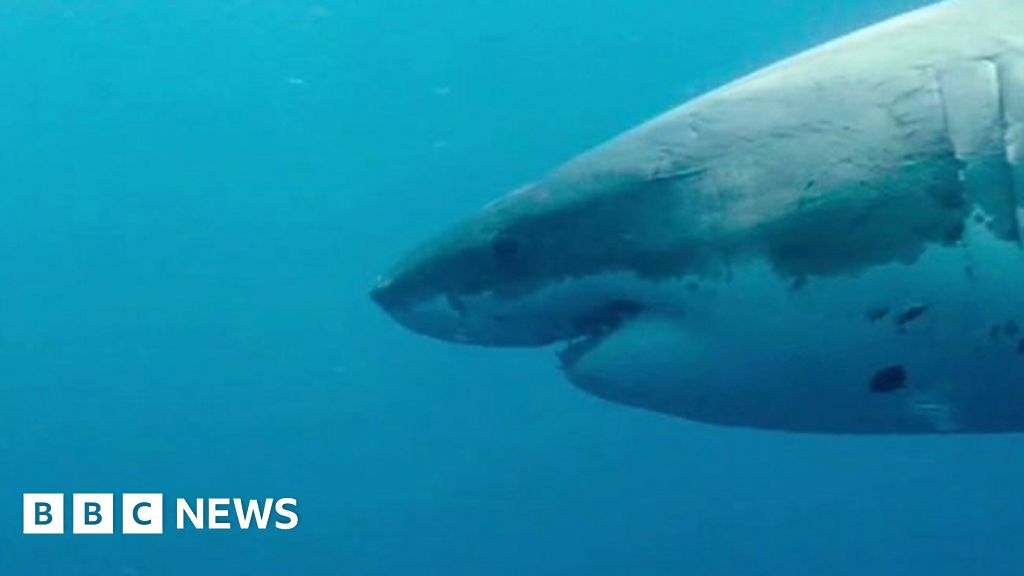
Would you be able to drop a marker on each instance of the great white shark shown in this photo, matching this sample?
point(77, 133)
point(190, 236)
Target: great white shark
point(832, 244)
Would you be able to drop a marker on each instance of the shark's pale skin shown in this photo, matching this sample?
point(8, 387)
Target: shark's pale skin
point(830, 245)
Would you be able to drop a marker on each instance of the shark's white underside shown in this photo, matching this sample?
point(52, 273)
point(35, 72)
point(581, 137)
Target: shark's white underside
point(754, 351)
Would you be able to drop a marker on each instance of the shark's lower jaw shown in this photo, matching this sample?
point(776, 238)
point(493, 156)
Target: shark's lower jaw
point(597, 325)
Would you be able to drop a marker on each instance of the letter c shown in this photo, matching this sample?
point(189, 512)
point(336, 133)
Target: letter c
point(137, 518)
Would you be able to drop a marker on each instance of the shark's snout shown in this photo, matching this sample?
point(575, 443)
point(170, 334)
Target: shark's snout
point(381, 293)
point(433, 315)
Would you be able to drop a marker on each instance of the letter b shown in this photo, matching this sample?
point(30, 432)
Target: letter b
point(93, 514)
point(43, 514)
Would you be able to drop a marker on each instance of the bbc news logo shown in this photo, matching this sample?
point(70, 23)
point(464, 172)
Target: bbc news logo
point(144, 514)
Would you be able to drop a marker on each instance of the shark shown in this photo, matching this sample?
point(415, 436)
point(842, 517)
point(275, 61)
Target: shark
point(833, 244)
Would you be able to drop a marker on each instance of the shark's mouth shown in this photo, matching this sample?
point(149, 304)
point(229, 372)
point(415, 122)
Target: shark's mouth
point(593, 327)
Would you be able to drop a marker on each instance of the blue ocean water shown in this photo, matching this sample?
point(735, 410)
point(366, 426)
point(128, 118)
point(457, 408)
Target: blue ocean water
point(196, 197)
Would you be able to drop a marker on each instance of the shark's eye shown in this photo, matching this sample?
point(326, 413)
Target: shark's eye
point(504, 246)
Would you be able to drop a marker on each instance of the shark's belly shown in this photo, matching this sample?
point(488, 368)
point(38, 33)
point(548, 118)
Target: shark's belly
point(929, 347)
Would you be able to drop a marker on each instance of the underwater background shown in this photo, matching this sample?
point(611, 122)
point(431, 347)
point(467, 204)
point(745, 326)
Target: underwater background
point(195, 198)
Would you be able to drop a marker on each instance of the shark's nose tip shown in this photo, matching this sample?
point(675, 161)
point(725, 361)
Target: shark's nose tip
point(381, 291)
point(382, 283)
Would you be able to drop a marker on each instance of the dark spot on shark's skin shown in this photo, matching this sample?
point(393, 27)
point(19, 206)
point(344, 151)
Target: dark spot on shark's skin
point(889, 380)
point(876, 313)
point(955, 234)
point(1011, 328)
point(810, 184)
point(866, 231)
point(911, 313)
point(504, 246)
point(798, 283)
